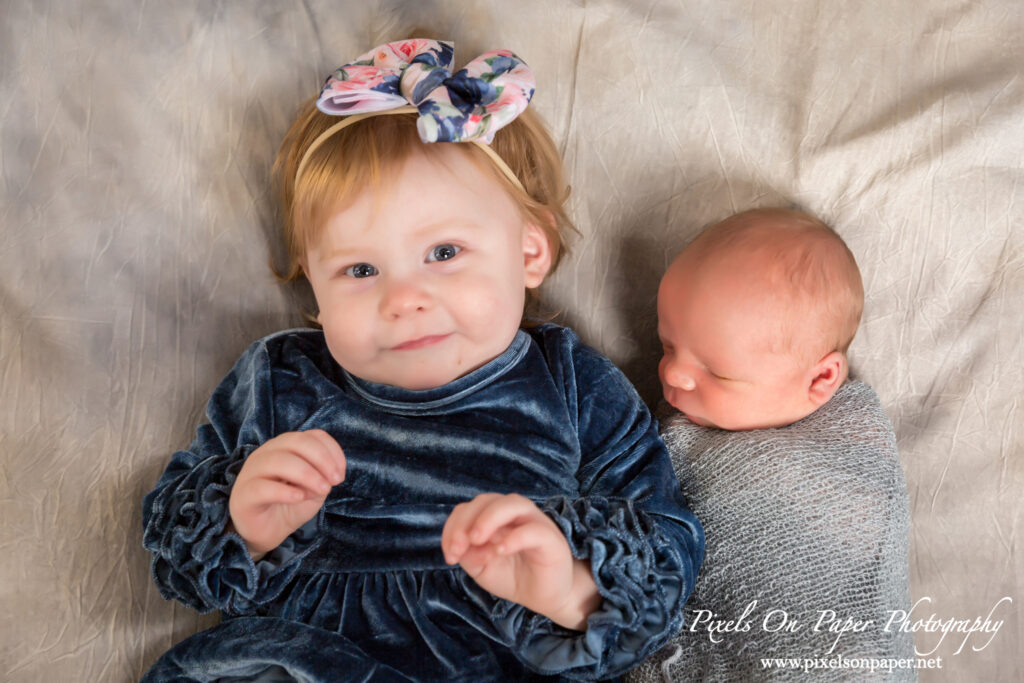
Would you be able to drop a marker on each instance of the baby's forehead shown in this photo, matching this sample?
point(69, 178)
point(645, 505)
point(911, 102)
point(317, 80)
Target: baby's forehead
point(773, 250)
point(755, 234)
point(767, 279)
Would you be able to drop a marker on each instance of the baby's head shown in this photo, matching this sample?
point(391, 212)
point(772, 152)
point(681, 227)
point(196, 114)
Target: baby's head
point(755, 317)
point(419, 254)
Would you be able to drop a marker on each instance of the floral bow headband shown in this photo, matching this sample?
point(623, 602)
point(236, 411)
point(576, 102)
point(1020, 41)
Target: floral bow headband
point(413, 76)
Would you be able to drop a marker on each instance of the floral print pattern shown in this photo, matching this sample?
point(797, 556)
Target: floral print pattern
point(469, 105)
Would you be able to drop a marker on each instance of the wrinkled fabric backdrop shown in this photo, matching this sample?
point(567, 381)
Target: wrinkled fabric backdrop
point(137, 219)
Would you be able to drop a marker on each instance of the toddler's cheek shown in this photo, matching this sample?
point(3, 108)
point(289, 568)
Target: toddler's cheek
point(488, 310)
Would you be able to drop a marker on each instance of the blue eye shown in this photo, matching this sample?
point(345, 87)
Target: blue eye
point(443, 252)
point(360, 270)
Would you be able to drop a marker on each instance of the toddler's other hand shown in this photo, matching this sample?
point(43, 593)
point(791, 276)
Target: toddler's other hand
point(514, 551)
point(282, 485)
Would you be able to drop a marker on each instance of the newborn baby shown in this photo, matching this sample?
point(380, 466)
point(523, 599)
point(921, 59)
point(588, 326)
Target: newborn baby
point(755, 317)
point(792, 469)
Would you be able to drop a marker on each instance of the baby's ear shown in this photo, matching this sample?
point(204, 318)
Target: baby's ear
point(536, 255)
point(829, 374)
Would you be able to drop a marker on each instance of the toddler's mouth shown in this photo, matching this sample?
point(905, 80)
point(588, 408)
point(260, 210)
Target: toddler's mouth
point(420, 342)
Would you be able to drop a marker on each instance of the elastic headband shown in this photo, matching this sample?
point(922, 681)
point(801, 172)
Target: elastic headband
point(412, 76)
point(407, 109)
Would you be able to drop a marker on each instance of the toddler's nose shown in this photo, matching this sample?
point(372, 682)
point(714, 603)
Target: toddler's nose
point(403, 298)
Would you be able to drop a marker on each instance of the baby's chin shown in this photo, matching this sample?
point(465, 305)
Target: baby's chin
point(702, 421)
point(695, 419)
point(736, 426)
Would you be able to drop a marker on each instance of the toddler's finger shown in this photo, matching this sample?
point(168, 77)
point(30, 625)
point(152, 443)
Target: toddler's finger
point(312, 446)
point(509, 509)
point(332, 457)
point(454, 541)
point(297, 471)
point(454, 537)
point(476, 559)
point(534, 536)
point(499, 535)
point(268, 492)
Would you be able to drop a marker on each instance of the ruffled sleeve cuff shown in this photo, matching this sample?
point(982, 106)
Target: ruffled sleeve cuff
point(642, 579)
point(198, 561)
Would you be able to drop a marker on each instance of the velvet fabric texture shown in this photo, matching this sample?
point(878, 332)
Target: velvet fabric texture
point(363, 589)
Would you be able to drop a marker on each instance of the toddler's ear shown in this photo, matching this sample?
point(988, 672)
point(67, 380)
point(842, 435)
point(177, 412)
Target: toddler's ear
point(829, 374)
point(536, 255)
point(305, 272)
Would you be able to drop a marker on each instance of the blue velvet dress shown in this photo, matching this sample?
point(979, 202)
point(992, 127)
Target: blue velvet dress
point(362, 591)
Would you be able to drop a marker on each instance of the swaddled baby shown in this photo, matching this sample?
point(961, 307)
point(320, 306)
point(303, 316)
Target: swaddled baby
point(792, 468)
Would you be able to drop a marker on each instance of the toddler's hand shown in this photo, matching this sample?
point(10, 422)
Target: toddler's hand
point(282, 485)
point(514, 551)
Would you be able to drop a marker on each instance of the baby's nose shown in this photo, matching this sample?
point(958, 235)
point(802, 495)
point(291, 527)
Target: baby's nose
point(686, 383)
point(678, 377)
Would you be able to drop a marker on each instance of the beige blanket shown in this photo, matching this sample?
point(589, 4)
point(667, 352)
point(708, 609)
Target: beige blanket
point(135, 148)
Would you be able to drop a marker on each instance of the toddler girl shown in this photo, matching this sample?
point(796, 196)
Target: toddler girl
point(423, 489)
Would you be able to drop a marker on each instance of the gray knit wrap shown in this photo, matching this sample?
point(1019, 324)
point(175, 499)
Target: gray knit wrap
point(809, 518)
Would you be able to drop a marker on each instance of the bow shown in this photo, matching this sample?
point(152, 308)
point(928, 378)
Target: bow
point(469, 105)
